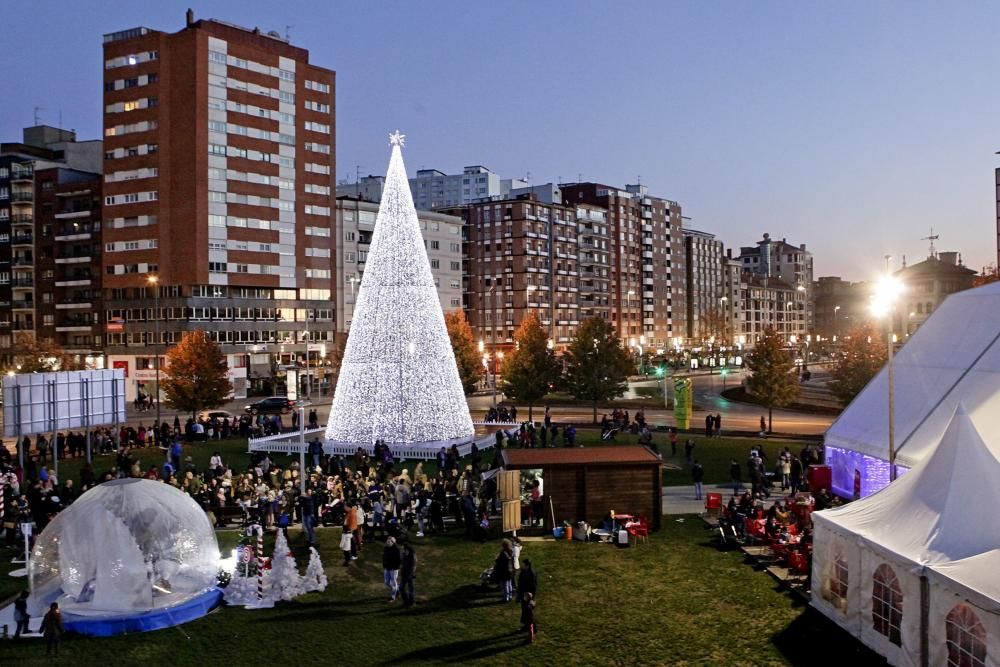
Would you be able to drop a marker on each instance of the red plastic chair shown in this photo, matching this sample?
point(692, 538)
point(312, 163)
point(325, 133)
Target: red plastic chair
point(638, 529)
point(798, 562)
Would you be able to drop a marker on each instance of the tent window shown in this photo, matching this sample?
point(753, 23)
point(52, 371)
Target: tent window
point(887, 603)
point(838, 582)
point(966, 638)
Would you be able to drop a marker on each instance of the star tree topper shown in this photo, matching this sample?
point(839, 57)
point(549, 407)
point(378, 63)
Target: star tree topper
point(397, 139)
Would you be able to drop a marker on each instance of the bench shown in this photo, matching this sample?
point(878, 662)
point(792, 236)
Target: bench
point(221, 517)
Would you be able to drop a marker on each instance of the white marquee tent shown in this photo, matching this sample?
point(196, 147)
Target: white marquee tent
point(912, 570)
point(954, 357)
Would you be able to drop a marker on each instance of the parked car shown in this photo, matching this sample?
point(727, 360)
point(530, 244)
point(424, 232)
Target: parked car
point(271, 406)
point(209, 415)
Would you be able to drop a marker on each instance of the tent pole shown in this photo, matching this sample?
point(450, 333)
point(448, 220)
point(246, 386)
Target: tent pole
point(892, 410)
point(925, 612)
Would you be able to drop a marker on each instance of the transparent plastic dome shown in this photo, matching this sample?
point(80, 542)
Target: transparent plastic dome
point(130, 545)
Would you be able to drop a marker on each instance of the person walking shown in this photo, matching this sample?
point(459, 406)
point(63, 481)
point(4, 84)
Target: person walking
point(718, 424)
point(528, 616)
point(503, 569)
point(351, 528)
point(346, 540)
point(391, 562)
point(52, 628)
point(735, 475)
point(408, 572)
point(21, 616)
point(307, 509)
point(709, 424)
point(697, 475)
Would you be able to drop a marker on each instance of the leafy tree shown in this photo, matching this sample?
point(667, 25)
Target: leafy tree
point(597, 366)
point(464, 345)
point(335, 358)
point(195, 374)
point(41, 355)
point(864, 354)
point(773, 380)
point(531, 367)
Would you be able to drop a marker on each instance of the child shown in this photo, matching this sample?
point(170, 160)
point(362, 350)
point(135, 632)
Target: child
point(528, 616)
point(52, 628)
point(345, 545)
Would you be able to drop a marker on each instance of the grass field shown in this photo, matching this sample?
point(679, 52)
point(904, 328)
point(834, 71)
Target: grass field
point(675, 601)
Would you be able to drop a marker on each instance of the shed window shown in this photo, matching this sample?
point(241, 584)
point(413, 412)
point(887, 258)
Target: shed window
point(837, 584)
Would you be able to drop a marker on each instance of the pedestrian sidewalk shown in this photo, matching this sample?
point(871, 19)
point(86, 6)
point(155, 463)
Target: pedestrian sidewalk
point(681, 500)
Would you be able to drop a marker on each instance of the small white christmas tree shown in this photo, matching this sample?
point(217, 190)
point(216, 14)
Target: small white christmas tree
point(282, 581)
point(315, 578)
point(398, 379)
point(241, 590)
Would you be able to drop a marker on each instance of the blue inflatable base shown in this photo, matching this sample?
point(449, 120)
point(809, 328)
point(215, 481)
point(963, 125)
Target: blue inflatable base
point(105, 626)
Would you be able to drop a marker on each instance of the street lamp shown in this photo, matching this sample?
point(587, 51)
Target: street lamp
point(883, 304)
point(154, 280)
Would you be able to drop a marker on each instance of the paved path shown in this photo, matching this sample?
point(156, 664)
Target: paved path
point(681, 500)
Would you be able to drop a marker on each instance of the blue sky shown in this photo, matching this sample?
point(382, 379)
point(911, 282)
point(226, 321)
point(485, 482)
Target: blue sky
point(853, 127)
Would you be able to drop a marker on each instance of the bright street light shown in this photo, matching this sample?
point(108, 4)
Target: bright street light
point(887, 291)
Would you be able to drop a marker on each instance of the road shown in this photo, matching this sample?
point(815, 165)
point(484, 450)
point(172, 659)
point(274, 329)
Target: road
point(707, 388)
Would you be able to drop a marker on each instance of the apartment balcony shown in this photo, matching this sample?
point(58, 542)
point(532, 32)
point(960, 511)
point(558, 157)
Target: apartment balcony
point(82, 280)
point(647, 228)
point(647, 267)
point(22, 219)
point(22, 239)
point(72, 305)
point(22, 175)
point(72, 215)
point(74, 259)
point(22, 197)
point(648, 215)
point(19, 304)
point(22, 282)
point(23, 326)
point(22, 261)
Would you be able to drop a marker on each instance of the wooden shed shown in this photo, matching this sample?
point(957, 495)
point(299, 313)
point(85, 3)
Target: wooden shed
point(585, 483)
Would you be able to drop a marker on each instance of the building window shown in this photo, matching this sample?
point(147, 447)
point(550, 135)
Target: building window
point(887, 603)
point(966, 638)
point(435, 264)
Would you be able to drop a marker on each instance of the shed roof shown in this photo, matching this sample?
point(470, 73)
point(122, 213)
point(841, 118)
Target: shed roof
point(540, 458)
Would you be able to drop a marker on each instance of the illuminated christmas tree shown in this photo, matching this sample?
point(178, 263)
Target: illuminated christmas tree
point(398, 379)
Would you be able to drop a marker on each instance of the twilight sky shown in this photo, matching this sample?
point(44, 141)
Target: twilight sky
point(853, 127)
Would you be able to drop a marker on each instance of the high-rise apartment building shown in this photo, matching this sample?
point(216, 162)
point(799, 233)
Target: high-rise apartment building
point(792, 265)
point(355, 222)
point(647, 261)
point(521, 257)
point(47, 184)
point(594, 261)
point(705, 288)
point(219, 186)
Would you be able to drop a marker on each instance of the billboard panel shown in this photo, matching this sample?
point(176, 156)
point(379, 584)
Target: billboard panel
point(45, 402)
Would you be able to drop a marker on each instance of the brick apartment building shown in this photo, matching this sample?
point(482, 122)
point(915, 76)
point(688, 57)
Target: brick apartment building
point(647, 261)
point(520, 257)
point(219, 182)
point(50, 243)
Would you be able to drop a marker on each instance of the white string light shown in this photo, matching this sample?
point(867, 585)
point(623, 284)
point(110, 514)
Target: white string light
point(398, 380)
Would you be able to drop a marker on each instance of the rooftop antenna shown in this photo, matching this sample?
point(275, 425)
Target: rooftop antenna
point(288, 33)
point(932, 252)
point(38, 115)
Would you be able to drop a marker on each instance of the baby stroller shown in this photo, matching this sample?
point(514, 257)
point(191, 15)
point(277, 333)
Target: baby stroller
point(332, 514)
point(486, 579)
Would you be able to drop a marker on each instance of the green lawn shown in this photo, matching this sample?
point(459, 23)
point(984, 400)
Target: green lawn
point(713, 453)
point(675, 601)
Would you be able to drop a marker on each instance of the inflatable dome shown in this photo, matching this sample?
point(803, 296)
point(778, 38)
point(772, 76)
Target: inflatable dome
point(127, 552)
